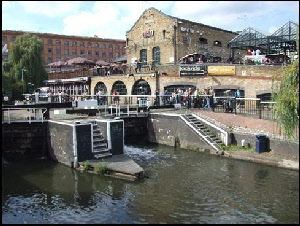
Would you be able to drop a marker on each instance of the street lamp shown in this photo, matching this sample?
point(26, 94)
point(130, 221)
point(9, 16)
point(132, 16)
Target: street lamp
point(22, 78)
point(22, 73)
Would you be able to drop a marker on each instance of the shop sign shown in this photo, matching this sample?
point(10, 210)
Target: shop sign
point(221, 70)
point(192, 70)
point(148, 34)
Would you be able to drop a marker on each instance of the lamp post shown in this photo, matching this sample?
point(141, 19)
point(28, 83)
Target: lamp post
point(23, 79)
point(22, 73)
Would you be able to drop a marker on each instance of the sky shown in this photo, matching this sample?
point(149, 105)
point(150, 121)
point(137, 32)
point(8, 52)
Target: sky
point(111, 19)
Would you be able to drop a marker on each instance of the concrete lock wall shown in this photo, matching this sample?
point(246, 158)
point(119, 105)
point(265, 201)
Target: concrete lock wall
point(70, 143)
point(61, 142)
point(171, 130)
point(277, 146)
point(24, 141)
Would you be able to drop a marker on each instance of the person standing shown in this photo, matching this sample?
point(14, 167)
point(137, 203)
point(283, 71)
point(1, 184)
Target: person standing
point(59, 96)
point(98, 97)
point(237, 95)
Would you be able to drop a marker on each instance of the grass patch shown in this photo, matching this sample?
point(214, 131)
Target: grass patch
point(102, 167)
point(86, 166)
point(234, 147)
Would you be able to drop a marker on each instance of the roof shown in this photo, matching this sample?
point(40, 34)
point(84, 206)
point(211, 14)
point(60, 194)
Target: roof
point(178, 19)
point(63, 36)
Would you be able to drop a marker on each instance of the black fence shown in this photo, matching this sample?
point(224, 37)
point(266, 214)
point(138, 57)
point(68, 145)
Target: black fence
point(253, 107)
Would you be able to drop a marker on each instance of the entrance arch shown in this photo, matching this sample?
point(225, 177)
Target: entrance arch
point(120, 87)
point(100, 86)
point(141, 87)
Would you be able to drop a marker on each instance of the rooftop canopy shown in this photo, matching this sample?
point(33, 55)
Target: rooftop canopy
point(282, 39)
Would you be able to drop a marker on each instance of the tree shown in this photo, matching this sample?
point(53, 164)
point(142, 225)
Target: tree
point(25, 53)
point(287, 99)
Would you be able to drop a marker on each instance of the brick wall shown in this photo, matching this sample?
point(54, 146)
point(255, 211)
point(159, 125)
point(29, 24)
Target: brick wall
point(24, 140)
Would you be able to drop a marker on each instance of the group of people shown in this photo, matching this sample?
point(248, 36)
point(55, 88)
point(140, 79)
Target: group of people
point(188, 98)
point(119, 68)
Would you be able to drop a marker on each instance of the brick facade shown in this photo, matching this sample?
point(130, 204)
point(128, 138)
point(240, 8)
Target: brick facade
point(57, 46)
point(176, 38)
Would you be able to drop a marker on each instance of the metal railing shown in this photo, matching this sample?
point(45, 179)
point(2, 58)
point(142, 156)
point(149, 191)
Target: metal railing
point(29, 115)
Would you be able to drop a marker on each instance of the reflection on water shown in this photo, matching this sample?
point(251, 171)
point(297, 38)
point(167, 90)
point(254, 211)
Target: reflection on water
point(182, 187)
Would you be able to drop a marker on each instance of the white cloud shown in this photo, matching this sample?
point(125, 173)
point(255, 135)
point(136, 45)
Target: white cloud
point(51, 8)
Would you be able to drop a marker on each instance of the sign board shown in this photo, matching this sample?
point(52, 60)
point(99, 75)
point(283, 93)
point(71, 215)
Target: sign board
point(221, 70)
point(192, 70)
point(148, 34)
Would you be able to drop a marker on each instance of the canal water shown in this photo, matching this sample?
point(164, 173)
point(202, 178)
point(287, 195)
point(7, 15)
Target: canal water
point(181, 187)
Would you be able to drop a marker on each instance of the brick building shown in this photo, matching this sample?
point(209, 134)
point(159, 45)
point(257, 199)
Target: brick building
point(58, 47)
point(165, 39)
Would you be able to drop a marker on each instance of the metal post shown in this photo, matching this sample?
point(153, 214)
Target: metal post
point(259, 109)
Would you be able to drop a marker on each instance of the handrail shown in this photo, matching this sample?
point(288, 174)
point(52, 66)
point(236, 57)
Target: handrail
point(27, 115)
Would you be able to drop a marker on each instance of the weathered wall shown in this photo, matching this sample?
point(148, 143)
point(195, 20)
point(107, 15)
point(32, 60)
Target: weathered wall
point(251, 79)
point(61, 144)
point(176, 38)
point(24, 140)
point(172, 131)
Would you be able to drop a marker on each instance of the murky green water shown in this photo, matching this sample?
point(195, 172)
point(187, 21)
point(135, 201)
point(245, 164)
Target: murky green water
point(183, 187)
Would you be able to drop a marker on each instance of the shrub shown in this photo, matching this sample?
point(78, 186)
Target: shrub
point(102, 167)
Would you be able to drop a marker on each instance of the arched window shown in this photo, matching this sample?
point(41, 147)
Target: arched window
point(100, 86)
point(141, 87)
point(156, 55)
point(202, 40)
point(120, 87)
point(143, 56)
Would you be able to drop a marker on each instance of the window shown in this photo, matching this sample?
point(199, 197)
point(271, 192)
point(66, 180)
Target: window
point(117, 47)
point(66, 52)
point(110, 46)
point(49, 51)
point(50, 42)
point(89, 53)
point(58, 51)
point(66, 43)
point(4, 38)
point(120, 87)
point(202, 40)
point(58, 42)
point(127, 40)
point(81, 52)
point(96, 45)
point(103, 46)
point(110, 55)
point(50, 60)
point(164, 34)
point(217, 43)
point(143, 56)
point(13, 39)
point(82, 44)
point(117, 55)
point(74, 43)
point(104, 55)
point(100, 86)
point(156, 55)
point(97, 53)
point(89, 44)
point(74, 53)
point(141, 87)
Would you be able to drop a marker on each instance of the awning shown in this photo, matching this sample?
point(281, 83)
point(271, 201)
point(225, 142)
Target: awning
point(54, 81)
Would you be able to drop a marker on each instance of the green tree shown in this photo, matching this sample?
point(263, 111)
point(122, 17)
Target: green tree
point(25, 53)
point(287, 99)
